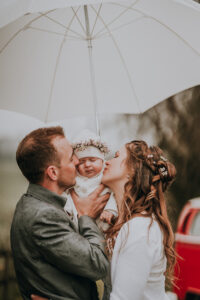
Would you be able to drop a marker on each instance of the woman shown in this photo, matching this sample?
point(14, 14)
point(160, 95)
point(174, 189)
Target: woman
point(140, 242)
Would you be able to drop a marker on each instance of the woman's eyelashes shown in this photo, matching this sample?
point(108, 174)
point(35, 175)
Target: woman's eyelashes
point(116, 155)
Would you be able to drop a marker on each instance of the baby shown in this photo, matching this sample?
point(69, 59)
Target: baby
point(91, 154)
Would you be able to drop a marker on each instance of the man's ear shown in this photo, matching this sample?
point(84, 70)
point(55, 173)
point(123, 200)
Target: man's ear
point(52, 172)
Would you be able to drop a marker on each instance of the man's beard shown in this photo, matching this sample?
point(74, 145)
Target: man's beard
point(65, 186)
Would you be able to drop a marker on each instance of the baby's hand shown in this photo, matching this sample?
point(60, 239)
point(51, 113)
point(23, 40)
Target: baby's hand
point(107, 216)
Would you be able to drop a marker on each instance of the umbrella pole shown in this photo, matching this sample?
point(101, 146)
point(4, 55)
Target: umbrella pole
point(92, 73)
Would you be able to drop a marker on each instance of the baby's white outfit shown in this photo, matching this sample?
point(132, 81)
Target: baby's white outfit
point(85, 186)
point(88, 144)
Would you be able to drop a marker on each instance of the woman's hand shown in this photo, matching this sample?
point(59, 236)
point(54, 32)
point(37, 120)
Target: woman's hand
point(107, 216)
point(35, 297)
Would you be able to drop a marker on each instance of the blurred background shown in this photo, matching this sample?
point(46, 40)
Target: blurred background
point(174, 125)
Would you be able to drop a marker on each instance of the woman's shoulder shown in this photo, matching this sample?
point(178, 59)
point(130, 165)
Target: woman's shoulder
point(140, 226)
point(139, 222)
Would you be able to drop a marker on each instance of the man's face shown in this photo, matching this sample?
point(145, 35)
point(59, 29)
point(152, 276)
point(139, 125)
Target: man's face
point(68, 162)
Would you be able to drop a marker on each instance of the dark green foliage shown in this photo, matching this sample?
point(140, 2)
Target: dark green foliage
point(176, 122)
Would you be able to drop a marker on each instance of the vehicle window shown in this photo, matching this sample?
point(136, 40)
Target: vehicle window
point(185, 223)
point(195, 228)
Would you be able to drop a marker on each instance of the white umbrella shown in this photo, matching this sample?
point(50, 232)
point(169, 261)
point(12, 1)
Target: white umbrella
point(59, 60)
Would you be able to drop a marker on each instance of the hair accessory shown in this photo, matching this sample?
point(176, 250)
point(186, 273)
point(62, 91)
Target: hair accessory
point(163, 171)
point(88, 144)
point(83, 145)
point(163, 158)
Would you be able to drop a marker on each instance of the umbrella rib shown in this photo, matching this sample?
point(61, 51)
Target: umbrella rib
point(175, 33)
point(96, 19)
point(122, 59)
point(62, 25)
point(116, 18)
point(79, 21)
point(117, 28)
point(21, 29)
point(56, 67)
point(164, 25)
point(52, 32)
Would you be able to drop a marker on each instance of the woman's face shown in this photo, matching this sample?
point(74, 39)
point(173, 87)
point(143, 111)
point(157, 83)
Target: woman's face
point(116, 169)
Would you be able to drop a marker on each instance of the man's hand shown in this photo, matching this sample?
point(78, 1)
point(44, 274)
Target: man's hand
point(92, 205)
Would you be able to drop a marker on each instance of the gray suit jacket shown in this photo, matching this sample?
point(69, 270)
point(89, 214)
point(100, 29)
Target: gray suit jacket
point(51, 257)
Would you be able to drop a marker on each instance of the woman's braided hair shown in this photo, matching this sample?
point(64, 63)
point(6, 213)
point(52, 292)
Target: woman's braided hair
point(150, 173)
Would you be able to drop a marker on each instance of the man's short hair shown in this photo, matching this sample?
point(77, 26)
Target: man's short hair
point(36, 152)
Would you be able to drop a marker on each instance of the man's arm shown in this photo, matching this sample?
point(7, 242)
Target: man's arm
point(81, 254)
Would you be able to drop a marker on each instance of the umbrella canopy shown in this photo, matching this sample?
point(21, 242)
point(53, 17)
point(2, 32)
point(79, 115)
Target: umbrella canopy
point(59, 60)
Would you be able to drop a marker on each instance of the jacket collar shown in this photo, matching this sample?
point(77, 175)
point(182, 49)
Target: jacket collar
point(41, 193)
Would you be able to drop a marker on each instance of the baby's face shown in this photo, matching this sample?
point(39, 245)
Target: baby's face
point(89, 166)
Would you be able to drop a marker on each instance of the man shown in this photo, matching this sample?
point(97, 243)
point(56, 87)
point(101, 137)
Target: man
point(51, 257)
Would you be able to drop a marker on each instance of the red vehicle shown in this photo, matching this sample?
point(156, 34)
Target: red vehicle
point(188, 248)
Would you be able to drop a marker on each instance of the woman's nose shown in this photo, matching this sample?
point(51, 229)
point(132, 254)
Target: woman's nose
point(107, 162)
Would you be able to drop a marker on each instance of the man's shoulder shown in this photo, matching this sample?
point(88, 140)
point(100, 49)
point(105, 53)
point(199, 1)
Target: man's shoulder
point(31, 209)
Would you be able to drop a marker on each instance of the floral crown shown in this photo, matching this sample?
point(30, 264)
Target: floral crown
point(81, 146)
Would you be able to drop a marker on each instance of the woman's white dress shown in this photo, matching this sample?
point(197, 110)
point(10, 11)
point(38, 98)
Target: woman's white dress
point(138, 262)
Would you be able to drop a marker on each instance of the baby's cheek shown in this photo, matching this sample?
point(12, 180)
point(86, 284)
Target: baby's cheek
point(99, 168)
point(80, 169)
